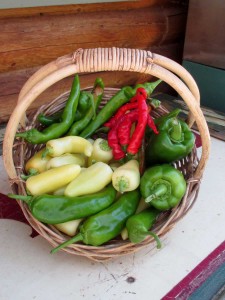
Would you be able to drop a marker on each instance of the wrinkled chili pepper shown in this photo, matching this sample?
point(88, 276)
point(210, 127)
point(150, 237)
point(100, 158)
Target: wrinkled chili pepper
point(152, 125)
point(113, 140)
point(120, 112)
point(56, 130)
point(122, 97)
point(124, 129)
point(139, 131)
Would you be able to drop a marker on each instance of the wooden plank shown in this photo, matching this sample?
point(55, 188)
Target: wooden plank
point(78, 8)
point(29, 42)
point(11, 82)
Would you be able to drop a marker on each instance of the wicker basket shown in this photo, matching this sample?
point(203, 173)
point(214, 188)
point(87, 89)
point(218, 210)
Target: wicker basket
point(94, 60)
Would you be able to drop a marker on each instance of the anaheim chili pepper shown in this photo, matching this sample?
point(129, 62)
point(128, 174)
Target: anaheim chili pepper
point(136, 139)
point(125, 127)
point(120, 112)
point(113, 141)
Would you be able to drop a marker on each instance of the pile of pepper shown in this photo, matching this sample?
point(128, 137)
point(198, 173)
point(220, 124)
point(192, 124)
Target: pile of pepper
point(95, 186)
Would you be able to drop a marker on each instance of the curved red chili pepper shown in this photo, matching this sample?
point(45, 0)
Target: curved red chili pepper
point(113, 141)
point(120, 112)
point(139, 131)
point(125, 127)
point(140, 91)
point(152, 125)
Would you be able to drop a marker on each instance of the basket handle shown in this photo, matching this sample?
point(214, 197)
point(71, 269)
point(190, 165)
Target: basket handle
point(107, 59)
point(157, 59)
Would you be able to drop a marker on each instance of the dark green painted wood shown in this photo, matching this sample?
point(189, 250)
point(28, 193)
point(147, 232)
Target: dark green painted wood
point(211, 83)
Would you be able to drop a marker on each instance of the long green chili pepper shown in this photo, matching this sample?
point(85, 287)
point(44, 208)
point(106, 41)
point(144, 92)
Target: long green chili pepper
point(49, 120)
point(83, 105)
point(96, 97)
point(107, 224)
point(120, 98)
point(54, 209)
point(138, 226)
point(56, 130)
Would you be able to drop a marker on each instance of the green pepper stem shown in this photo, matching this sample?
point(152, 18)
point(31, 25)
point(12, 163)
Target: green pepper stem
point(155, 236)
point(21, 134)
point(122, 184)
point(31, 172)
point(21, 197)
point(45, 153)
point(74, 239)
point(175, 131)
point(160, 190)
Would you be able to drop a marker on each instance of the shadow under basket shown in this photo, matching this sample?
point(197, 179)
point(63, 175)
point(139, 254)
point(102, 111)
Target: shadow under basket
point(17, 152)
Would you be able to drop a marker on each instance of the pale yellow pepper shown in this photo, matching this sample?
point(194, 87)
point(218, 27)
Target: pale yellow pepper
point(90, 180)
point(36, 163)
point(127, 177)
point(66, 159)
point(68, 144)
point(101, 152)
point(70, 228)
point(51, 180)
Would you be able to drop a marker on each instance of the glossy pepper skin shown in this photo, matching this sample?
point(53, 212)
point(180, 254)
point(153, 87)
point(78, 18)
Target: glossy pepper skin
point(56, 130)
point(174, 141)
point(107, 224)
point(83, 105)
point(163, 186)
point(120, 98)
point(139, 224)
point(95, 99)
point(52, 209)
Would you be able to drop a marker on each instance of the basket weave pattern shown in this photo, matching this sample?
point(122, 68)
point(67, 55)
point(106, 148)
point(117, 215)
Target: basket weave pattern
point(16, 153)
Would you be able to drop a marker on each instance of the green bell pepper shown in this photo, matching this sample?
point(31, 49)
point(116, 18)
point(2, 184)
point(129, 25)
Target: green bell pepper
point(174, 141)
point(163, 186)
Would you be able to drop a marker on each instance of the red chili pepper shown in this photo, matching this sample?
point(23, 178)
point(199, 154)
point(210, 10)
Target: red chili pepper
point(113, 141)
point(152, 125)
point(140, 91)
point(125, 127)
point(139, 131)
point(120, 112)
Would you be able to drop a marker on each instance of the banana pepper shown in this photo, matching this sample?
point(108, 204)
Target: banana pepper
point(90, 180)
point(51, 180)
point(68, 144)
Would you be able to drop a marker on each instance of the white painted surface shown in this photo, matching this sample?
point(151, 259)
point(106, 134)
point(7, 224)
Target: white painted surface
point(28, 271)
point(33, 3)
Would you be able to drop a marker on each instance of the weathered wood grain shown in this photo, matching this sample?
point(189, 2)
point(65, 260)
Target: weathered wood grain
point(32, 37)
point(30, 42)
